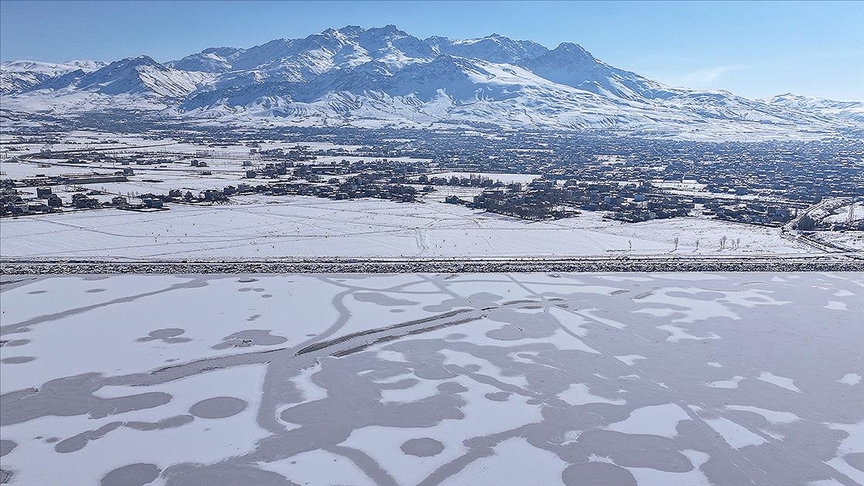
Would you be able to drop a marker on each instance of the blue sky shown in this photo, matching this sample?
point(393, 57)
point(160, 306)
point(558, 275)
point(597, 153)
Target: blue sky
point(754, 49)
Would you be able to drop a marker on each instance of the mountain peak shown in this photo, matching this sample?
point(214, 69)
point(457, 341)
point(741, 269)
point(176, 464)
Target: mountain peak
point(142, 60)
point(572, 49)
point(493, 48)
point(351, 30)
point(388, 30)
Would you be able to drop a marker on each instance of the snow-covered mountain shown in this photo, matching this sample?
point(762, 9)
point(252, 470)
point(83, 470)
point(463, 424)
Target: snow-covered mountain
point(19, 76)
point(828, 108)
point(381, 77)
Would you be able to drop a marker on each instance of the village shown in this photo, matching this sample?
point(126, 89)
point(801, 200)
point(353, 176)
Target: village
point(629, 180)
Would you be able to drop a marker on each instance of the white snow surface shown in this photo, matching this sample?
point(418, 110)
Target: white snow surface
point(260, 227)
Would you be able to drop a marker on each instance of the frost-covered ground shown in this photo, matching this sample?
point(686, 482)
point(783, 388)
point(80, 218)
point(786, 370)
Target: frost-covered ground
point(269, 227)
point(657, 379)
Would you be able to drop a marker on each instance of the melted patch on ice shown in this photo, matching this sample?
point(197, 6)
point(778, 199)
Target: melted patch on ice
point(307, 468)
point(733, 383)
point(693, 477)
point(484, 367)
point(780, 381)
point(388, 355)
point(836, 305)
point(679, 333)
point(416, 390)
point(507, 466)
point(578, 394)
point(573, 322)
point(852, 444)
point(596, 458)
point(654, 420)
point(770, 415)
point(310, 390)
point(734, 434)
point(691, 307)
point(629, 359)
point(850, 379)
point(825, 482)
point(589, 313)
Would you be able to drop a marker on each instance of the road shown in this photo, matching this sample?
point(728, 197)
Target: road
point(847, 261)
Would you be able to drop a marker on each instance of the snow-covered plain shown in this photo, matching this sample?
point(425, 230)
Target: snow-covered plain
point(257, 227)
point(519, 379)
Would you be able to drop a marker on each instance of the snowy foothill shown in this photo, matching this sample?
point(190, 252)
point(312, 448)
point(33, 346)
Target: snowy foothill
point(392, 379)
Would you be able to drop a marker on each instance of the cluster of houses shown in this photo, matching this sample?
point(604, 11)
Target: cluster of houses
point(14, 203)
point(380, 179)
point(750, 212)
point(41, 180)
point(545, 199)
point(630, 202)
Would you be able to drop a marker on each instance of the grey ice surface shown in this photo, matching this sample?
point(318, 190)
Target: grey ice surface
point(131, 475)
point(6, 447)
point(422, 447)
point(728, 379)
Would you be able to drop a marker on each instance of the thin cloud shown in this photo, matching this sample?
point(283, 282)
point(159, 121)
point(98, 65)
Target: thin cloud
point(709, 77)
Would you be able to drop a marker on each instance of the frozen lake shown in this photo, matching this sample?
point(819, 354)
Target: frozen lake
point(522, 379)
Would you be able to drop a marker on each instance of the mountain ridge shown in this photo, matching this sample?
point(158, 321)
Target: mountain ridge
point(383, 76)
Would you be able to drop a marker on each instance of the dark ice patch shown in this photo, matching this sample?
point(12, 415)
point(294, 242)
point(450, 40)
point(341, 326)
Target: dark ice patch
point(856, 460)
point(451, 388)
point(597, 473)
point(17, 359)
point(210, 474)
point(137, 474)
point(166, 423)
point(250, 337)
point(703, 295)
point(381, 299)
point(498, 396)
point(6, 447)
point(78, 442)
point(480, 300)
point(668, 460)
point(218, 407)
point(422, 447)
point(167, 335)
